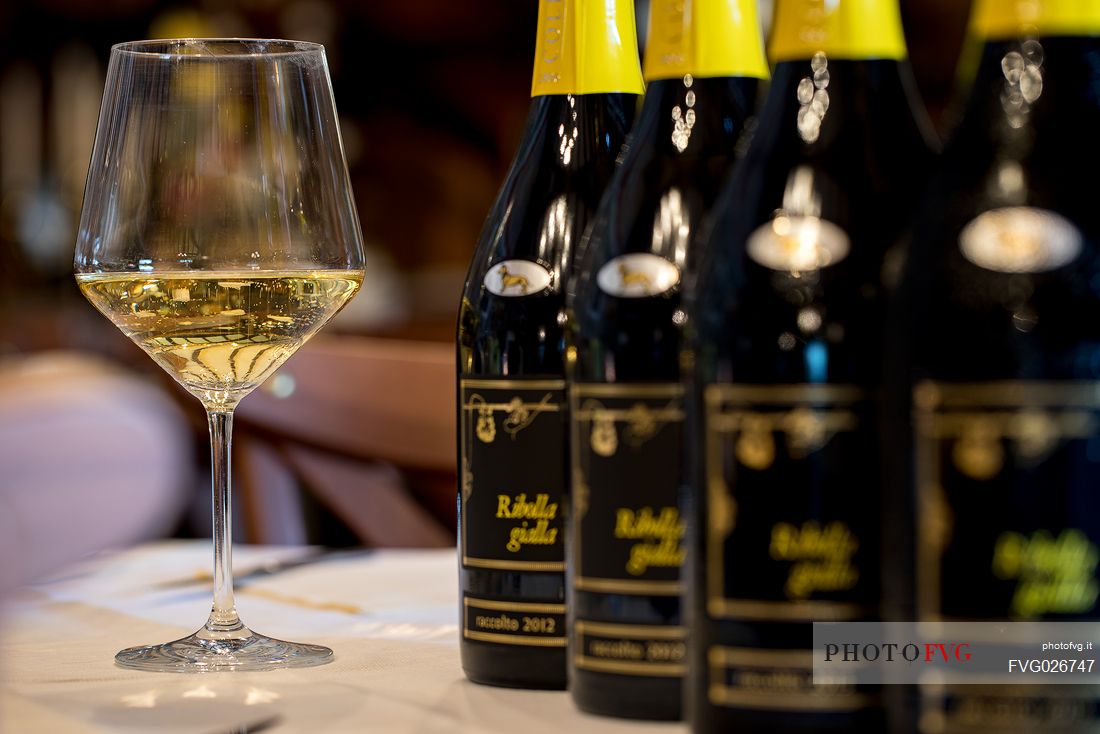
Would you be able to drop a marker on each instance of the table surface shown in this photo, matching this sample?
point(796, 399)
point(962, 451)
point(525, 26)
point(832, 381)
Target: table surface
point(389, 615)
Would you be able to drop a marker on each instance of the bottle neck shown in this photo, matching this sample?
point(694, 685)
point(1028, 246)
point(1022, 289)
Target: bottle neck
point(696, 118)
point(586, 47)
point(993, 20)
point(573, 132)
point(856, 30)
point(704, 39)
point(826, 103)
point(1035, 89)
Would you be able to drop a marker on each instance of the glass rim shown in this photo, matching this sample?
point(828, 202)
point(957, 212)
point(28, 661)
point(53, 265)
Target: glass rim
point(249, 48)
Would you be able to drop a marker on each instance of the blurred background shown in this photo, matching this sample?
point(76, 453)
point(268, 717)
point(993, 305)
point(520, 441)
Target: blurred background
point(352, 443)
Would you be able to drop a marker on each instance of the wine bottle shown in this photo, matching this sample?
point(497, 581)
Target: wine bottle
point(703, 65)
point(1006, 323)
point(785, 332)
point(512, 411)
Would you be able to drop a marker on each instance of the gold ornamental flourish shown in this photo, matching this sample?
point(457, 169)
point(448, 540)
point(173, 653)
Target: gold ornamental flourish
point(642, 423)
point(521, 414)
point(978, 438)
point(806, 430)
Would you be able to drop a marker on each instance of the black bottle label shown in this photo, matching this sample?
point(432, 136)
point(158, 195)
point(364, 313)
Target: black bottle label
point(513, 623)
point(627, 443)
point(628, 536)
point(513, 475)
point(793, 488)
point(630, 649)
point(1009, 528)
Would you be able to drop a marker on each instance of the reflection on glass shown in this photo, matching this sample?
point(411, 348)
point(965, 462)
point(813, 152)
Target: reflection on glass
point(555, 236)
point(813, 99)
point(683, 121)
point(671, 227)
point(568, 135)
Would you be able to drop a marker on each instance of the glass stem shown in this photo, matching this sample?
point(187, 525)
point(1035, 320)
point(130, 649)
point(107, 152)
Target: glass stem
point(224, 622)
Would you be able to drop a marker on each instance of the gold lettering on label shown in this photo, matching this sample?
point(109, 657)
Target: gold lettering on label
point(770, 680)
point(541, 534)
point(552, 40)
point(661, 535)
point(1015, 710)
point(518, 507)
point(1053, 575)
point(616, 649)
point(821, 557)
point(503, 623)
point(541, 511)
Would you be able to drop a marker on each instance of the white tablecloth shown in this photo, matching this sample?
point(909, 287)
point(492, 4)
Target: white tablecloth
point(390, 616)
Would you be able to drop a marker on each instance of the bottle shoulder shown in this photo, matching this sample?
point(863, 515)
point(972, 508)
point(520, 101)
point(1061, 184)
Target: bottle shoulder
point(512, 308)
point(682, 148)
point(565, 159)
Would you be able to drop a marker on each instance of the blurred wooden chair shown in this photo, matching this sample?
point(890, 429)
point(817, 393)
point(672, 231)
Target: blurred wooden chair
point(367, 427)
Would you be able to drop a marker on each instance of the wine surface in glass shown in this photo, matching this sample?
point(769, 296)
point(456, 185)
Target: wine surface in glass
point(220, 333)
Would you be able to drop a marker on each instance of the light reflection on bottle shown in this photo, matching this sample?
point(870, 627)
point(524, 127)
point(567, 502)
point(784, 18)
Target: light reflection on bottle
point(814, 99)
point(684, 121)
point(672, 228)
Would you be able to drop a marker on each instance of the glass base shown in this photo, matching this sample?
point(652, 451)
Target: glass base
point(207, 652)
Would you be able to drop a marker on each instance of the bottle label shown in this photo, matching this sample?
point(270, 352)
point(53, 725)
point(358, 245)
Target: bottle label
point(1005, 19)
point(513, 623)
point(1008, 528)
point(798, 244)
point(630, 649)
point(840, 29)
point(704, 38)
point(627, 443)
point(517, 278)
point(1020, 239)
point(513, 479)
point(638, 275)
point(1007, 473)
point(586, 48)
point(775, 680)
point(791, 532)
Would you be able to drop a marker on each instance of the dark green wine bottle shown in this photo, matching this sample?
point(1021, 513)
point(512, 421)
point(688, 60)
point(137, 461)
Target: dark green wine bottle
point(512, 412)
point(786, 335)
point(703, 65)
point(1006, 317)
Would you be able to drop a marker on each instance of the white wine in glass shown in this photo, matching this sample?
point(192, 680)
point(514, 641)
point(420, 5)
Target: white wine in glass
point(219, 234)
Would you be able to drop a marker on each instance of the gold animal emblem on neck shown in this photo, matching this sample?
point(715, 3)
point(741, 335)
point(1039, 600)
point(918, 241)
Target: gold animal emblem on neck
point(510, 280)
point(634, 278)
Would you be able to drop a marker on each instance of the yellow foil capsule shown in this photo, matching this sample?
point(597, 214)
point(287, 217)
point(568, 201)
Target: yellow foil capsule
point(704, 38)
point(586, 47)
point(841, 29)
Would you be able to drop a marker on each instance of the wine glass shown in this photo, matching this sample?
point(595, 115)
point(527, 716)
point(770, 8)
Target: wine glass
point(219, 233)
